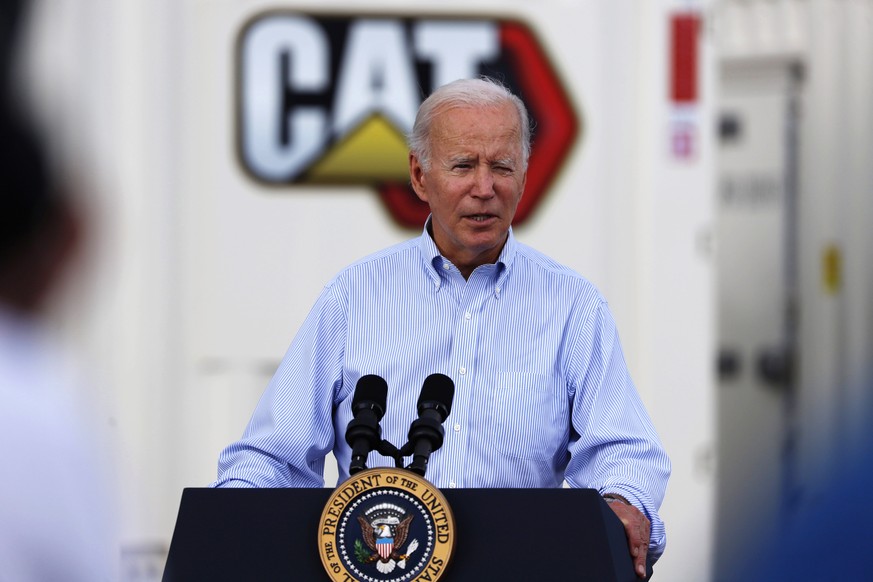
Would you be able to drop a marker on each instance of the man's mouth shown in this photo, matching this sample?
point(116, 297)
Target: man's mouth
point(480, 217)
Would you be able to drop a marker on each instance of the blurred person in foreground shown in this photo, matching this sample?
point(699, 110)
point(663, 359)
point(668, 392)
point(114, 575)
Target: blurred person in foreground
point(54, 513)
point(826, 536)
point(542, 392)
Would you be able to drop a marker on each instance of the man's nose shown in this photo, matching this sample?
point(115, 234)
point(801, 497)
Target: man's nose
point(484, 182)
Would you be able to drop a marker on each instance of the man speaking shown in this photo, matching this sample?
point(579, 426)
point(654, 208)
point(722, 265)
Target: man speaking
point(541, 390)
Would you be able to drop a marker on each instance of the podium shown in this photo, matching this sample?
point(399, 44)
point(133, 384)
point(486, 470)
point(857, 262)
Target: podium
point(501, 534)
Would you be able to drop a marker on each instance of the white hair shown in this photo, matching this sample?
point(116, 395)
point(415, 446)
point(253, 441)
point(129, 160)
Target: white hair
point(482, 92)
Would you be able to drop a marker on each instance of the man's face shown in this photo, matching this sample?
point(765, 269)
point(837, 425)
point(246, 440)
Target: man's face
point(474, 183)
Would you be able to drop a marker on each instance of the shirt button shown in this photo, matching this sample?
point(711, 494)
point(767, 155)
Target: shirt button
point(446, 266)
point(467, 316)
point(452, 484)
point(457, 428)
point(463, 370)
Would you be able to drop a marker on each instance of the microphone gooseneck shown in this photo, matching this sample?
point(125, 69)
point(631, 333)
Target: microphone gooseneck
point(363, 432)
point(426, 433)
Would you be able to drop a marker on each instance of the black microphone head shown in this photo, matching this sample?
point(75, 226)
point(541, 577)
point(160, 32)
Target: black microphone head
point(437, 392)
point(371, 392)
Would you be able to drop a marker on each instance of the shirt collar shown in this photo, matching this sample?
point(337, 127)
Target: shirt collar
point(434, 260)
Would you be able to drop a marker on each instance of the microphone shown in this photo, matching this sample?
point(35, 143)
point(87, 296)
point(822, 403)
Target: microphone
point(426, 433)
point(363, 433)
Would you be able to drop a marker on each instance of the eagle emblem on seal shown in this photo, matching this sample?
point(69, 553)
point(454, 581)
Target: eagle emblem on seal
point(385, 529)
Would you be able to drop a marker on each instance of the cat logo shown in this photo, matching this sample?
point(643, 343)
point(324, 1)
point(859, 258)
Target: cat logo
point(330, 99)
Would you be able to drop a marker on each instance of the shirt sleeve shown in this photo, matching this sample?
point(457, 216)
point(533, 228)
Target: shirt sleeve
point(613, 445)
point(291, 430)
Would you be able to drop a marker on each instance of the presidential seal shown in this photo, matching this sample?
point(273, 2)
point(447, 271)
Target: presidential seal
point(386, 525)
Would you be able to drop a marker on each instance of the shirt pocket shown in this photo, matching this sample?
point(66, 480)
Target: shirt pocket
point(528, 415)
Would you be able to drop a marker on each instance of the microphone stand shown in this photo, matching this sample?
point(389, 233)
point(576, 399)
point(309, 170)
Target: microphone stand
point(387, 449)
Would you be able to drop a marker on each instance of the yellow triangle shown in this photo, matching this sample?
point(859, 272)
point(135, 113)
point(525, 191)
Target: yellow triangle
point(374, 152)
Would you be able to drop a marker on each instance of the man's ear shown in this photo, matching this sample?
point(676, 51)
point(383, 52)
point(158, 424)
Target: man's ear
point(417, 177)
point(523, 183)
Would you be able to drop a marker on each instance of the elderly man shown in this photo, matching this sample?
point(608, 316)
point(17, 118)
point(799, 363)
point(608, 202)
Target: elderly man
point(542, 393)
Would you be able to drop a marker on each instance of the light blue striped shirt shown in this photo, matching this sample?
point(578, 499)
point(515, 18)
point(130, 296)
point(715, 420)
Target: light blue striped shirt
point(542, 392)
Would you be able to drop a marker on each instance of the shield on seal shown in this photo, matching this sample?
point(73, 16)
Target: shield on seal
point(385, 546)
